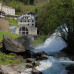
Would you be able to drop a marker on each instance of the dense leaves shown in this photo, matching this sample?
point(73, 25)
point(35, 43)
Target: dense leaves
point(24, 6)
point(57, 12)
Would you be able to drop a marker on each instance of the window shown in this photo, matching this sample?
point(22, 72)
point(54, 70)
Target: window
point(27, 17)
point(22, 17)
point(23, 28)
point(28, 20)
point(23, 31)
point(32, 21)
point(32, 24)
point(24, 20)
point(20, 20)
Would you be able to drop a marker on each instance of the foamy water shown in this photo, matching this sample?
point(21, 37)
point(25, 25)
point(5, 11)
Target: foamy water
point(53, 44)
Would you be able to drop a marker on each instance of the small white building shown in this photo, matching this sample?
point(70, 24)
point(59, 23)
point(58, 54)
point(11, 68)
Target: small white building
point(26, 26)
point(7, 10)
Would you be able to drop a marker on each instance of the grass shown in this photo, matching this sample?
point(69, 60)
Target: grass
point(12, 22)
point(13, 36)
point(7, 59)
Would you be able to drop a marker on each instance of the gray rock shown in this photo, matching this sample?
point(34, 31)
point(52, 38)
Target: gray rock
point(12, 45)
point(7, 70)
point(35, 71)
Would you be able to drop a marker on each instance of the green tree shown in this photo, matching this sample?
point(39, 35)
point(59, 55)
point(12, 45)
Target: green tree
point(57, 12)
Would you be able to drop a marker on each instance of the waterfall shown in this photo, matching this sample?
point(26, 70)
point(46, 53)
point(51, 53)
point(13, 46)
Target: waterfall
point(52, 44)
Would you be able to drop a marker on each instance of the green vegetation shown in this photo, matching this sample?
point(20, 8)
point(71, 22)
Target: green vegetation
point(7, 59)
point(40, 40)
point(24, 6)
point(56, 13)
point(28, 2)
point(13, 36)
point(13, 22)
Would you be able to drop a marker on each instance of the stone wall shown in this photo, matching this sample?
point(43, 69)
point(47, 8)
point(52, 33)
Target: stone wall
point(31, 30)
point(4, 24)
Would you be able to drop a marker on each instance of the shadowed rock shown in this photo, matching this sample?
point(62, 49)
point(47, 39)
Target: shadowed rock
point(12, 45)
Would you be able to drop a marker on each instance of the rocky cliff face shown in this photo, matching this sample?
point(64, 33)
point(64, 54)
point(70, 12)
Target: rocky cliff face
point(4, 24)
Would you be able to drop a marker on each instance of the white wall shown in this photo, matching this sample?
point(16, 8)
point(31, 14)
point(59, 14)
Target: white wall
point(8, 10)
point(31, 30)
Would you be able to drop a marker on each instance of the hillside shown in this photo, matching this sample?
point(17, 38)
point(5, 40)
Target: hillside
point(25, 6)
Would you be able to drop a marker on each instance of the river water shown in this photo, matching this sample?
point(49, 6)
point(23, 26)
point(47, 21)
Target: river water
point(56, 62)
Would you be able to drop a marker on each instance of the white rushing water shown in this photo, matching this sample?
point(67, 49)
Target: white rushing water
point(52, 44)
point(53, 65)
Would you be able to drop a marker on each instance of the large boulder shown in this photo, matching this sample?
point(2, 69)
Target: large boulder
point(35, 71)
point(70, 69)
point(12, 45)
point(36, 63)
point(29, 60)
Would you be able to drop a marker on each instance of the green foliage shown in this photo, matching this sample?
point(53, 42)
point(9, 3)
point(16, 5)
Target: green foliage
point(8, 59)
point(13, 22)
point(13, 36)
point(55, 13)
point(40, 40)
point(24, 6)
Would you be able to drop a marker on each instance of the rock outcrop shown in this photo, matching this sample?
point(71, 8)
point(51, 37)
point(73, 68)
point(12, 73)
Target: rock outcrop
point(35, 71)
point(70, 69)
point(12, 45)
point(4, 24)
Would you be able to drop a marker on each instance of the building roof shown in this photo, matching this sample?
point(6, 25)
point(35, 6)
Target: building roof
point(12, 27)
point(27, 15)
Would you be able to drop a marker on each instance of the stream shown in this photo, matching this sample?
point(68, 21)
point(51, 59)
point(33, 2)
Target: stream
point(57, 61)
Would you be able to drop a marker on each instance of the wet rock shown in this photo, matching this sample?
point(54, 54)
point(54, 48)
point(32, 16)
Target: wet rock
point(41, 58)
point(29, 66)
point(29, 60)
point(35, 71)
point(70, 73)
point(70, 69)
point(28, 54)
point(12, 45)
point(38, 54)
point(19, 58)
point(25, 68)
point(36, 64)
point(13, 54)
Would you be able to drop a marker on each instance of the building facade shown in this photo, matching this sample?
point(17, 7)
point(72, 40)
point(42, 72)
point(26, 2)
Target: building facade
point(26, 26)
point(7, 10)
